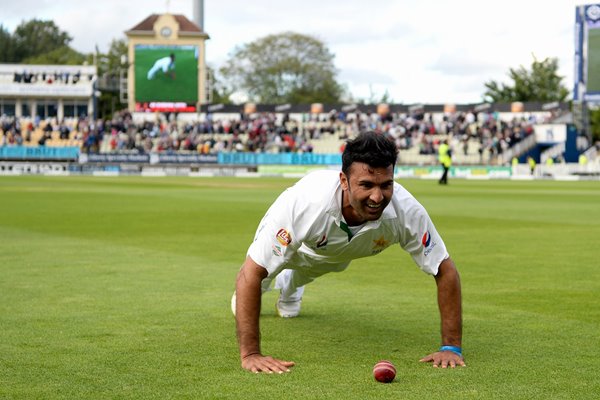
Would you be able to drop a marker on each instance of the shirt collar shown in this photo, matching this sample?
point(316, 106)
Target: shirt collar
point(335, 205)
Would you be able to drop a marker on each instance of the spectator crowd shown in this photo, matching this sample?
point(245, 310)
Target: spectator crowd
point(270, 132)
point(49, 77)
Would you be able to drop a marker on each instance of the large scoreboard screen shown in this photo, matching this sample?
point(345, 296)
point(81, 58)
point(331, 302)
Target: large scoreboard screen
point(166, 77)
point(587, 53)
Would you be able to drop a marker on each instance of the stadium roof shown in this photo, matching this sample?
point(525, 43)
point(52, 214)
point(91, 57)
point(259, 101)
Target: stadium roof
point(185, 25)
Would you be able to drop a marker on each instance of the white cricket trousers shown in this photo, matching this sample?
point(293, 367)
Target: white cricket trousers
point(291, 282)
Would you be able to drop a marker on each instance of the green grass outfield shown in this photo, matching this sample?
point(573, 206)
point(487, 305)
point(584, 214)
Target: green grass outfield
point(119, 288)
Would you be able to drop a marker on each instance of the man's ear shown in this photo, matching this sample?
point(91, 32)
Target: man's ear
point(343, 181)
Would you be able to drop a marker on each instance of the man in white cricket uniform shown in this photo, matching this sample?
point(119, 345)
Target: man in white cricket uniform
point(326, 220)
point(298, 232)
point(165, 64)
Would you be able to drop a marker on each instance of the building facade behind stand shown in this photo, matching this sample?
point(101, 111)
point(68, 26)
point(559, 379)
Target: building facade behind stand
point(47, 91)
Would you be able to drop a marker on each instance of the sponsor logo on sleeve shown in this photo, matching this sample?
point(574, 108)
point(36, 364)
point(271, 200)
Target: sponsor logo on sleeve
point(277, 251)
point(428, 243)
point(283, 237)
point(426, 239)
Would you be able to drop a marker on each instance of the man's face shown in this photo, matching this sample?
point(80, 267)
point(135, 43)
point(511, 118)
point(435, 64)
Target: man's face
point(367, 191)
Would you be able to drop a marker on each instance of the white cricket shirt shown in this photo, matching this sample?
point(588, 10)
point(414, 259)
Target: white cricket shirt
point(164, 63)
point(305, 228)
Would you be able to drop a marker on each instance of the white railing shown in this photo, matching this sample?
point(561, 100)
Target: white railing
point(570, 169)
point(518, 149)
point(553, 152)
point(591, 153)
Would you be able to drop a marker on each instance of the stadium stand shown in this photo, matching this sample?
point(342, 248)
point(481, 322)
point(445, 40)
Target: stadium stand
point(483, 137)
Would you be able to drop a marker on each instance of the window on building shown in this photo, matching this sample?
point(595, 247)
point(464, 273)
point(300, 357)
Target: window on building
point(25, 110)
point(8, 107)
point(40, 110)
point(69, 110)
point(46, 109)
point(52, 109)
point(82, 110)
point(75, 109)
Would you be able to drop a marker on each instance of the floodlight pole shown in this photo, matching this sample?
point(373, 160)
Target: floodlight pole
point(199, 13)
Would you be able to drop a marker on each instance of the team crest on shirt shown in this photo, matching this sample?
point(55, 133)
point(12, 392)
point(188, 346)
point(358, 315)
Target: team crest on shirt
point(283, 237)
point(379, 245)
point(428, 243)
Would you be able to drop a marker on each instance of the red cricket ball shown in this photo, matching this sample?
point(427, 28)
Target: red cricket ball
point(384, 371)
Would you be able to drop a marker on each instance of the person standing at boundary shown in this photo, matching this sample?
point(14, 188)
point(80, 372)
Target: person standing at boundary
point(321, 224)
point(445, 159)
point(532, 163)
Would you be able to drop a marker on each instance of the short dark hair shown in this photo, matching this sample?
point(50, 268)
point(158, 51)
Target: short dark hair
point(371, 148)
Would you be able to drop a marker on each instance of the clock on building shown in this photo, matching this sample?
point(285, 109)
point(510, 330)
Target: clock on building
point(166, 31)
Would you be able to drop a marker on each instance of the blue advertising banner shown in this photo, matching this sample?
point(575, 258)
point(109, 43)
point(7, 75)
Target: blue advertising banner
point(73, 153)
point(279, 159)
point(153, 158)
point(175, 158)
point(114, 158)
point(38, 153)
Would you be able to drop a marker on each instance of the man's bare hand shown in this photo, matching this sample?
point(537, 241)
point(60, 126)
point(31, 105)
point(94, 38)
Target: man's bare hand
point(444, 359)
point(267, 364)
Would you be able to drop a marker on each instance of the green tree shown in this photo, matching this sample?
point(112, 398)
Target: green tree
point(283, 68)
point(219, 92)
point(7, 46)
point(594, 115)
point(540, 83)
point(116, 58)
point(36, 37)
point(61, 56)
point(109, 72)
